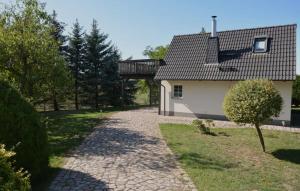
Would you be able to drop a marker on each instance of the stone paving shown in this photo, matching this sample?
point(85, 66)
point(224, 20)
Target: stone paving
point(124, 153)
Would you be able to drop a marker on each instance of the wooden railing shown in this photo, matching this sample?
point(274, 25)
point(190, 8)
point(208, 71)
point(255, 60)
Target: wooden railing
point(139, 68)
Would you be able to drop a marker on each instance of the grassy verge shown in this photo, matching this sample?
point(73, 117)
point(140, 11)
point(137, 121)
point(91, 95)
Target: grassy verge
point(233, 159)
point(66, 130)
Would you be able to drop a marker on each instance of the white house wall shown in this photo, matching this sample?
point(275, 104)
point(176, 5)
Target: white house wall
point(206, 97)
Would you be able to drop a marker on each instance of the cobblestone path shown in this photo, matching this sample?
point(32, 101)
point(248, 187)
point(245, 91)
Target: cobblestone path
point(126, 152)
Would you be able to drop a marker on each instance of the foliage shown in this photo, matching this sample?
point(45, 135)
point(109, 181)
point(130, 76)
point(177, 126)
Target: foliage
point(204, 126)
point(254, 102)
point(144, 86)
point(59, 28)
point(21, 127)
point(219, 163)
point(76, 58)
point(9, 178)
point(130, 89)
point(28, 51)
point(111, 83)
point(296, 91)
point(102, 80)
point(158, 52)
point(203, 31)
point(59, 85)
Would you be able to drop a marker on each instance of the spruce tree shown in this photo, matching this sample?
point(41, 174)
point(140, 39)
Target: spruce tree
point(76, 52)
point(111, 82)
point(102, 83)
point(97, 53)
point(58, 30)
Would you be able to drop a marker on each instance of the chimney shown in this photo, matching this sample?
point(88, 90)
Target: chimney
point(214, 27)
point(212, 52)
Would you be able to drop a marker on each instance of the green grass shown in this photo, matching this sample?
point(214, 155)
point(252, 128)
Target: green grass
point(233, 159)
point(66, 130)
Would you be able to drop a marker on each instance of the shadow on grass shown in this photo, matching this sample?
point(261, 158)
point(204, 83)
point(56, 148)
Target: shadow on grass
point(198, 161)
point(210, 133)
point(58, 179)
point(224, 134)
point(216, 134)
point(291, 155)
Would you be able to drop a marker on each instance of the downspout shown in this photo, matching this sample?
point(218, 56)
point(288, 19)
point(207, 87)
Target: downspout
point(164, 98)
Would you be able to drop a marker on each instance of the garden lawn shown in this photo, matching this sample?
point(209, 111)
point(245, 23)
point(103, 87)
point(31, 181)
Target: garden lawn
point(233, 158)
point(66, 130)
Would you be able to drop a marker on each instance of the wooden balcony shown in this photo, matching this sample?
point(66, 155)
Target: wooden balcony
point(139, 69)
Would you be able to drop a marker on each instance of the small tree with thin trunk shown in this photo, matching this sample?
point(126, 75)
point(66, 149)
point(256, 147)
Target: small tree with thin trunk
point(254, 102)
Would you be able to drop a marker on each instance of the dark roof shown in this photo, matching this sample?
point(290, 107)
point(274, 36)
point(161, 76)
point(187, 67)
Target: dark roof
point(212, 51)
point(187, 56)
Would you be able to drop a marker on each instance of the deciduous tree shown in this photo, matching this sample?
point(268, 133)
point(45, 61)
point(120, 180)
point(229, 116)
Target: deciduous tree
point(254, 102)
point(28, 50)
point(144, 86)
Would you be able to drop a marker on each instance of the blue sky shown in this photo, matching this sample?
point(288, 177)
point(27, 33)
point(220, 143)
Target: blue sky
point(134, 24)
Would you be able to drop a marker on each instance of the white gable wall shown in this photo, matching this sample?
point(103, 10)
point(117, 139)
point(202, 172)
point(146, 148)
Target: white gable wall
point(206, 97)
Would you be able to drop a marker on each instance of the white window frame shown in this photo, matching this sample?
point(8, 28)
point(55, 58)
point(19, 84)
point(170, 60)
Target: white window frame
point(178, 93)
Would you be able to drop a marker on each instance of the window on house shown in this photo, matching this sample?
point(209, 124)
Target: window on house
point(178, 91)
point(260, 44)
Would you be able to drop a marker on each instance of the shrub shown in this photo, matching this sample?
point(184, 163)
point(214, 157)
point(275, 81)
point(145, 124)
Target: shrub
point(209, 123)
point(21, 127)
point(204, 127)
point(9, 178)
point(254, 102)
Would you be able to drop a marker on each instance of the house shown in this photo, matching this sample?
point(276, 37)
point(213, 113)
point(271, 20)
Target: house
point(200, 68)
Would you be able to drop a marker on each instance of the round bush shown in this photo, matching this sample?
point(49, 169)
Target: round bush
point(21, 129)
point(252, 101)
point(9, 178)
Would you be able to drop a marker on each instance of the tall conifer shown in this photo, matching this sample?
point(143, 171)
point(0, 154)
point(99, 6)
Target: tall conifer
point(76, 52)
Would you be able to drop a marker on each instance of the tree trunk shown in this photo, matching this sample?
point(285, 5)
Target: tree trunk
point(96, 88)
point(261, 138)
point(122, 93)
point(76, 94)
point(150, 94)
point(55, 103)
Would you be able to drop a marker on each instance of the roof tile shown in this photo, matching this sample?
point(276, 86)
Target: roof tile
point(188, 55)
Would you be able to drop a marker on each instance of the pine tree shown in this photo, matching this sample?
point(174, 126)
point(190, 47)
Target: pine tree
point(102, 81)
point(58, 30)
point(111, 82)
point(97, 52)
point(76, 58)
point(202, 30)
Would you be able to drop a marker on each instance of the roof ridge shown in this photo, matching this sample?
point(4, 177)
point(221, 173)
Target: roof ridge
point(272, 26)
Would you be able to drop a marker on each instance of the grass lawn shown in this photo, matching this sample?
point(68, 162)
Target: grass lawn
point(66, 130)
point(233, 159)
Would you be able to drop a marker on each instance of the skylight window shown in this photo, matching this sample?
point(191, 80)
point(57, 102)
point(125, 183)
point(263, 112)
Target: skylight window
point(260, 44)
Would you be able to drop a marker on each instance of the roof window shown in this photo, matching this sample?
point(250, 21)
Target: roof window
point(260, 44)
